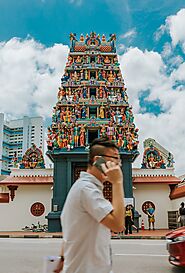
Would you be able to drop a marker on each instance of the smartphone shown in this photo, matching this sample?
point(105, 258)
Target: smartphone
point(99, 162)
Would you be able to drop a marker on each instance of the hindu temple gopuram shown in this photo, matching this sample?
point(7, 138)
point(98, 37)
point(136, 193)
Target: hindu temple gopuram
point(91, 102)
point(92, 98)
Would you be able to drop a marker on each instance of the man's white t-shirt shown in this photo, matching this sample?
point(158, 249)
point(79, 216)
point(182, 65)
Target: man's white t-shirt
point(86, 241)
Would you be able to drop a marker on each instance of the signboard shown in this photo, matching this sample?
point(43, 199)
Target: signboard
point(129, 201)
point(4, 197)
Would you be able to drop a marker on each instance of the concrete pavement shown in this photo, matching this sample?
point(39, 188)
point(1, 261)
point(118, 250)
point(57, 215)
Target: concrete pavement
point(142, 234)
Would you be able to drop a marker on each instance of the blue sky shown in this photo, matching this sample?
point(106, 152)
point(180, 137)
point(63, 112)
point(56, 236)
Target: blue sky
point(34, 43)
point(51, 21)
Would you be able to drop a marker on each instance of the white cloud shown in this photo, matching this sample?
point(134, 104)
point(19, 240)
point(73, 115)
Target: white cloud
point(179, 74)
point(176, 25)
point(141, 71)
point(121, 48)
point(160, 32)
point(29, 76)
point(172, 60)
point(147, 71)
point(167, 50)
point(167, 129)
point(129, 34)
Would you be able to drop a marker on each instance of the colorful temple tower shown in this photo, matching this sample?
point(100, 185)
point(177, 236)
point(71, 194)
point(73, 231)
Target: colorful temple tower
point(155, 156)
point(92, 102)
point(32, 159)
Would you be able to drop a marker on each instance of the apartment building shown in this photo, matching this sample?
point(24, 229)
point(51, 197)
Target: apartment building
point(16, 136)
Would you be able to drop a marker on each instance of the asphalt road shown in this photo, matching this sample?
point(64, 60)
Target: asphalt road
point(129, 256)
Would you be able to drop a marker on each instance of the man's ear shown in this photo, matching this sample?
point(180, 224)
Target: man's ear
point(95, 158)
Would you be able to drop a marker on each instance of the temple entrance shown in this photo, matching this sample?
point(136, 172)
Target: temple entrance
point(92, 112)
point(93, 74)
point(107, 191)
point(92, 134)
point(92, 92)
point(76, 169)
point(92, 59)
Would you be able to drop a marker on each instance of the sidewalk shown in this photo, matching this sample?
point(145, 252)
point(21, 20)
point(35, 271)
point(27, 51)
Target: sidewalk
point(142, 234)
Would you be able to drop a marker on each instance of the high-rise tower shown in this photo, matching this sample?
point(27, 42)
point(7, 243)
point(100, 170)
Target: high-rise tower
point(16, 136)
point(92, 102)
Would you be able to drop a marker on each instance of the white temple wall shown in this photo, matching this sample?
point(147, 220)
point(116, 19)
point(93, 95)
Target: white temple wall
point(159, 195)
point(176, 203)
point(16, 214)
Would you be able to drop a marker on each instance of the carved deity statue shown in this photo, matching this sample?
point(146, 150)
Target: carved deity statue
point(69, 61)
point(103, 130)
point(170, 160)
point(78, 60)
point(107, 60)
point(102, 112)
point(111, 77)
point(76, 135)
point(82, 135)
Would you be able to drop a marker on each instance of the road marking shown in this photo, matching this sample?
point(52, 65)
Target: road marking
point(139, 254)
point(150, 244)
point(30, 240)
point(138, 241)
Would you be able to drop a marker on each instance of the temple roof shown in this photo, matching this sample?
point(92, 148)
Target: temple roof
point(28, 177)
point(178, 192)
point(26, 180)
point(140, 172)
point(162, 179)
point(92, 42)
point(158, 176)
point(2, 177)
point(47, 178)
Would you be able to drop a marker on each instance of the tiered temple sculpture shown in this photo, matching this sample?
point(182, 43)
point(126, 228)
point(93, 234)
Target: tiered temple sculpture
point(32, 159)
point(155, 156)
point(92, 102)
point(92, 99)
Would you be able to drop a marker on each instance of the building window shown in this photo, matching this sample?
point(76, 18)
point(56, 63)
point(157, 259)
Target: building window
point(93, 74)
point(92, 112)
point(93, 92)
point(145, 206)
point(92, 59)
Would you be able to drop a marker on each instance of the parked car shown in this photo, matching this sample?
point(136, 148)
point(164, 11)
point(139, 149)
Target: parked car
point(176, 246)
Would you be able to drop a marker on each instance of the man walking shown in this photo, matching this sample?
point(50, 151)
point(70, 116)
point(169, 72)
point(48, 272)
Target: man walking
point(182, 214)
point(87, 217)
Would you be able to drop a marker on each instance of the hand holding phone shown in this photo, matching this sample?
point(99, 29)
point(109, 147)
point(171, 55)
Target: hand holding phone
point(98, 163)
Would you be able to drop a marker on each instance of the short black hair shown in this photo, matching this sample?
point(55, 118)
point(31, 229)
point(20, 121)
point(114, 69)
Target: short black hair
point(98, 147)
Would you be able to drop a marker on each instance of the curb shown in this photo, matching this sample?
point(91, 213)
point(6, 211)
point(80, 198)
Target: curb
point(4, 236)
point(31, 236)
point(37, 236)
point(34, 236)
point(139, 237)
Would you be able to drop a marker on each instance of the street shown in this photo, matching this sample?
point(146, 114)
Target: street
point(129, 256)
